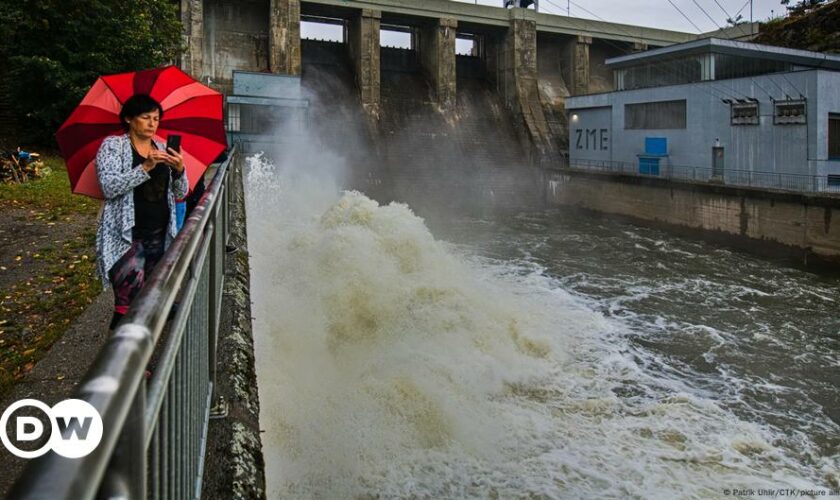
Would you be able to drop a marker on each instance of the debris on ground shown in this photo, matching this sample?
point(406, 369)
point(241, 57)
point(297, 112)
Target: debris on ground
point(21, 166)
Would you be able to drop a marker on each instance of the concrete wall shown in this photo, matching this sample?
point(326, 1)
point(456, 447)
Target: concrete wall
point(552, 63)
point(483, 15)
point(192, 20)
point(437, 55)
point(363, 44)
point(577, 70)
point(828, 101)
point(234, 464)
point(260, 35)
point(235, 37)
point(601, 77)
point(512, 66)
point(284, 37)
point(760, 220)
point(795, 149)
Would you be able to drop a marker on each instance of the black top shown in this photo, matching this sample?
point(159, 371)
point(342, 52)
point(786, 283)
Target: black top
point(151, 203)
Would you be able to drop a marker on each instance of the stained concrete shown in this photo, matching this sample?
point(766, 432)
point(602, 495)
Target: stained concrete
point(284, 37)
point(192, 19)
point(437, 55)
point(517, 82)
point(363, 44)
point(495, 16)
point(762, 221)
point(236, 37)
point(234, 466)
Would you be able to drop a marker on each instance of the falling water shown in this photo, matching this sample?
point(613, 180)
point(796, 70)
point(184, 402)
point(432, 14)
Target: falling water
point(531, 356)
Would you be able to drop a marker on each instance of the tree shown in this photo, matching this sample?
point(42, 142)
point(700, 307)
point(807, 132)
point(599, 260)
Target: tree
point(739, 19)
point(56, 49)
point(802, 7)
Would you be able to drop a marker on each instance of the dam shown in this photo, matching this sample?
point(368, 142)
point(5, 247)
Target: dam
point(429, 323)
point(417, 296)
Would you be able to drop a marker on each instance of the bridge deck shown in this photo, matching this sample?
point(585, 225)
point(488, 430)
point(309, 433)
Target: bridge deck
point(482, 15)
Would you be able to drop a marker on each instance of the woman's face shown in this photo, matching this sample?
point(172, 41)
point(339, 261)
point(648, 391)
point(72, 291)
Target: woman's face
point(144, 125)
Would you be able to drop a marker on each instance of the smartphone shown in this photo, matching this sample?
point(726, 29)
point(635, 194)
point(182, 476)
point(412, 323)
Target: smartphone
point(174, 142)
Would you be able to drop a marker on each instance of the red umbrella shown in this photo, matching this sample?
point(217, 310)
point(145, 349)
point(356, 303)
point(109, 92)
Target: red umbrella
point(190, 109)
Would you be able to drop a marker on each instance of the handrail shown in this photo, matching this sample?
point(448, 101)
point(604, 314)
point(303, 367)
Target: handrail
point(115, 382)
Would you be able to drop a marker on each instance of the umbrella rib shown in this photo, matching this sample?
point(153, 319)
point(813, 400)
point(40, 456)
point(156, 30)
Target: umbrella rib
point(185, 101)
point(154, 79)
point(113, 92)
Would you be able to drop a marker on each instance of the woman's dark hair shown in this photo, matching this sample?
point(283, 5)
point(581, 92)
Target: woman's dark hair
point(137, 105)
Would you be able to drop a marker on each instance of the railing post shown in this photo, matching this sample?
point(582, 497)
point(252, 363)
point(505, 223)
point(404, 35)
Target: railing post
point(212, 323)
point(217, 228)
point(126, 476)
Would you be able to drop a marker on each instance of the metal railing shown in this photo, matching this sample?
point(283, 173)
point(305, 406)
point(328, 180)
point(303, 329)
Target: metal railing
point(744, 178)
point(154, 436)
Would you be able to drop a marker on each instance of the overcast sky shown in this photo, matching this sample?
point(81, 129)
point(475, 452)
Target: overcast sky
point(657, 13)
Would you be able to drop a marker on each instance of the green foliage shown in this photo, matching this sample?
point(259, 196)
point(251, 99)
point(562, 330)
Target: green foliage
point(802, 7)
point(814, 30)
point(56, 49)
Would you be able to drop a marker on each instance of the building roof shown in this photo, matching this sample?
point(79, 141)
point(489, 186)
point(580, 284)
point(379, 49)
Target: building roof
point(732, 47)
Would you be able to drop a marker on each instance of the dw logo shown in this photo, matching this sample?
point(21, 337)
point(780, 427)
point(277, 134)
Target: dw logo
point(75, 428)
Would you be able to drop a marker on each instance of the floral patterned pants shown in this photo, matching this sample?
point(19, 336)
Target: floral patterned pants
point(130, 272)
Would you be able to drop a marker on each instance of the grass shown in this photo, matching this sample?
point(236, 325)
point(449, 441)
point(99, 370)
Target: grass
point(37, 309)
point(51, 193)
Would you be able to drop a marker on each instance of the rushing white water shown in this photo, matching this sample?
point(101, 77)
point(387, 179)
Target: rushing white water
point(394, 364)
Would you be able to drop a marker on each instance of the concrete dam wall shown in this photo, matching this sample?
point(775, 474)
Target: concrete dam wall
point(410, 149)
point(764, 222)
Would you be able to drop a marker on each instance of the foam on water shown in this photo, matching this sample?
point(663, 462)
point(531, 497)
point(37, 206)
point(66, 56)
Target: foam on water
point(393, 364)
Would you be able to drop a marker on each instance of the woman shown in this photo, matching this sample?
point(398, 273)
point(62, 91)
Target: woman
point(140, 181)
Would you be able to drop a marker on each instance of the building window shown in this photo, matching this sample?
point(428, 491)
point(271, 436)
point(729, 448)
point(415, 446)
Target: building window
point(744, 113)
point(834, 136)
point(734, 66)
point(655, 115)
point(233, 121)
point(789, 112)
point(834, 181)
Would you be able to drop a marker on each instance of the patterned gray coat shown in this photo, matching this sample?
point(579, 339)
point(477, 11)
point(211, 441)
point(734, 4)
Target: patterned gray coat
point(118, 178)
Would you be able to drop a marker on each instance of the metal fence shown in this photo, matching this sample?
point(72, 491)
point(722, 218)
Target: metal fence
point(155, 428)
point(746, 178)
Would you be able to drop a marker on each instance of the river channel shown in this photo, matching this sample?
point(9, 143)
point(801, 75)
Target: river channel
point(538, 353)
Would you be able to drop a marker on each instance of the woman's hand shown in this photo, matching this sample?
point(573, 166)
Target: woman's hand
point(171, 158)
point(174, 160)
point(153, 159)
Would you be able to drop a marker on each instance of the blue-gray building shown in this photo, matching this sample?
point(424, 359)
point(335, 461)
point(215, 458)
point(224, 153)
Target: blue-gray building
point(717, 110)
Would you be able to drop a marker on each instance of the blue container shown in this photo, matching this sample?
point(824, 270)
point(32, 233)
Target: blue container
point(180, 213)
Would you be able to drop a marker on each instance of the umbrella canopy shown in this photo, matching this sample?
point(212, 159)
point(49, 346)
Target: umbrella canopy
point(190, 109)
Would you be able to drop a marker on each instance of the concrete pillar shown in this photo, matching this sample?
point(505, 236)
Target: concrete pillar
point(284, 37)
point(515, 69)
point(580, 70)
point(518, 66)
point(363, 43)
point(437, 55)
point(192, 20)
